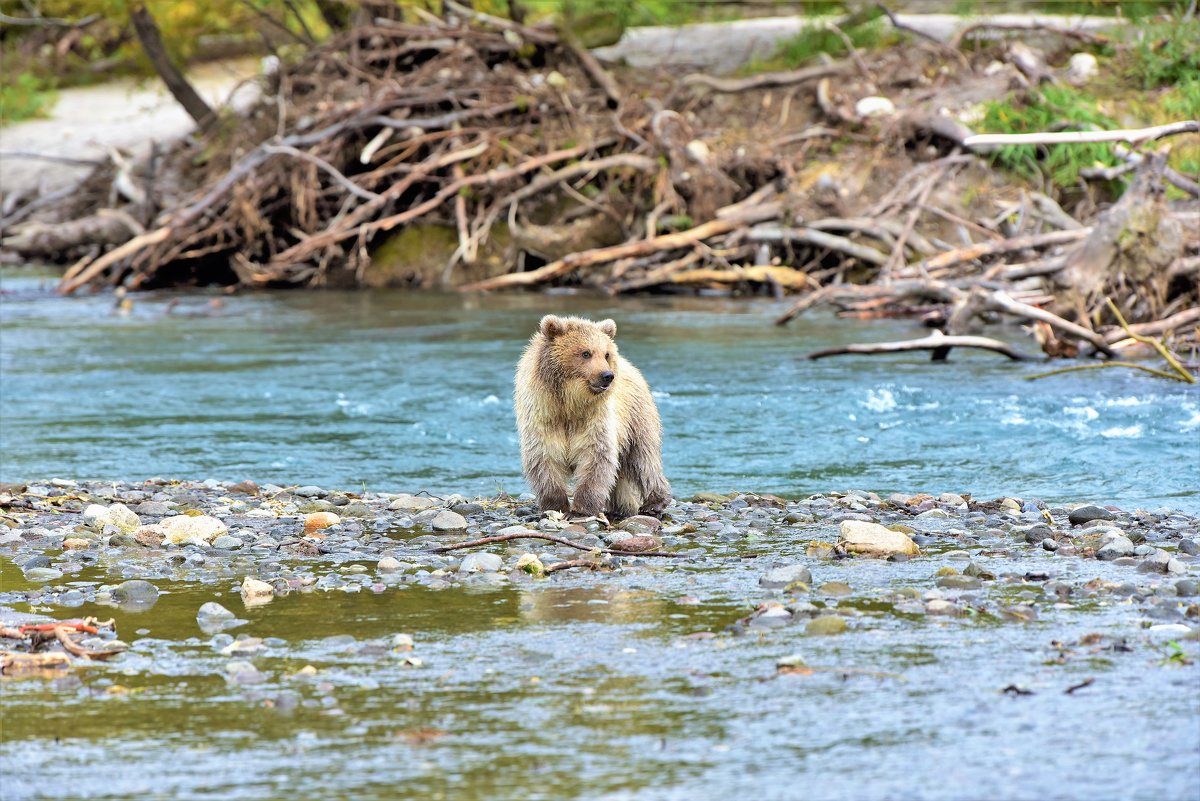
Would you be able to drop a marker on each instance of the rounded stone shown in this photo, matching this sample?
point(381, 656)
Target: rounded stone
point(480, 563)
point(135, 591)
point(446, 520)
point(780, 577)
point(1086, 514)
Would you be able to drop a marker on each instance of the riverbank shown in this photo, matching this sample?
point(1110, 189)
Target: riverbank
point(329, 621)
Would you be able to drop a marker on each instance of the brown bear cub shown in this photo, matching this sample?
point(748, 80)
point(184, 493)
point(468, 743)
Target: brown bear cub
point(583, 410)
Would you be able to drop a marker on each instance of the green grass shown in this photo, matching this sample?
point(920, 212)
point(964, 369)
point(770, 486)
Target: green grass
point(25, 97)
point(1052, 108)
point(1162, 53)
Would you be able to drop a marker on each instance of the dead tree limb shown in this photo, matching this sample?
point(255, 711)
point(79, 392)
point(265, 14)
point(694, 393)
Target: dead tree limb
point(639, 247)
point(766, 79)
point(1132, 135)
point(958, 256)
point(181, 90)
point(778, 233)
point(936, 342)
point(1178, 320)
point(1002, 301)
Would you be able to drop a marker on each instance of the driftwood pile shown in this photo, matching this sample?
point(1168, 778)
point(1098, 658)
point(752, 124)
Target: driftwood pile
point(475, 153)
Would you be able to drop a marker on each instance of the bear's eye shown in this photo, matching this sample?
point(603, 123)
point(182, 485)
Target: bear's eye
point(587, 354)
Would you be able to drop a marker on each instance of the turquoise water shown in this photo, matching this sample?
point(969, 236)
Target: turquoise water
point(399, 391)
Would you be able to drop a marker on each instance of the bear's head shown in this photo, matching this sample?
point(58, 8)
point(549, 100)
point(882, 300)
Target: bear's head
point(582, 354)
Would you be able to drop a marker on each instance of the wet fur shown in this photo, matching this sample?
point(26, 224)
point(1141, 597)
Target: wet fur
point(610, 441)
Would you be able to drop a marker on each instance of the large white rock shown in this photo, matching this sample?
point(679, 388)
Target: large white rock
point(118, 515)
point(872, 539)
point(181, 528)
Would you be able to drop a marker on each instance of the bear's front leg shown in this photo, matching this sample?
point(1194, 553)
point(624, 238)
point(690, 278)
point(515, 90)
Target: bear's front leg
point(597, 476)
point(546, 477)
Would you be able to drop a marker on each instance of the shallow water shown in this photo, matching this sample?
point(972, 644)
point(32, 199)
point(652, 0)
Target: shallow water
point(400, 391)
point(589, 686)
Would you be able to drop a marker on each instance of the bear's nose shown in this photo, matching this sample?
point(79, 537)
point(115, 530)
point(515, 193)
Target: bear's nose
point(606, 378)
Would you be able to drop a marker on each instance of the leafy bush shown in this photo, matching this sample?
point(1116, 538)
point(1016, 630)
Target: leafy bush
point(23, 97)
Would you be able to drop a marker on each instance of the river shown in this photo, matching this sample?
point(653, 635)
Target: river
point(400, 391)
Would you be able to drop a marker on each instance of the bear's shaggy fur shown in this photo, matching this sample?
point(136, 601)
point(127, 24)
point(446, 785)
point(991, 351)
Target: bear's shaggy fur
point(583, 410)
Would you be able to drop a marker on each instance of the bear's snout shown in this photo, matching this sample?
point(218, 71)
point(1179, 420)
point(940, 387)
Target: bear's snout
point(602, 382)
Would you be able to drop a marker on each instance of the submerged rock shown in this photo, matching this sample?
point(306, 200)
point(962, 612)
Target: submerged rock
point(780, 577)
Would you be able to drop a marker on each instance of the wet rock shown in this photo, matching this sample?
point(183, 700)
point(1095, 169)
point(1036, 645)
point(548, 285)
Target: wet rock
point(412, 503)
point(837, 589)
point(872, 539)
point(355, 510)
point(75, 544)
point(636, 544)
point(528, 563)
point(1086, 514)
point(182, 528)
point(959, 582)
point(119, 516)
point(213, 618)
point(938, 606)
point(256, 591)
point(641, 524)
point(388, 564)
point(1162, 562)
point(780, 577)
point(43, 574)
point(1189, 547)
point(1117, 546)
point(825, 625)
point(227, 542)
point(446, 520)
point(150, 536)
point(136, 593)
point(153, 509)
point(482, 562)
point(320, 520)
point(1186, 588)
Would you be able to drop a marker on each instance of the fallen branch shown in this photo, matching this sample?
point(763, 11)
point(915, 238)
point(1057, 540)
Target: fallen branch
point(570, 563)
point(1002, 301)
point(952, 258)
point(1182, 374)
point(1129, 365)
point(935, 342)
point(1131, 135)
point(766, 79)
point(1178, 320)
point(639, 247)
point(809, 236)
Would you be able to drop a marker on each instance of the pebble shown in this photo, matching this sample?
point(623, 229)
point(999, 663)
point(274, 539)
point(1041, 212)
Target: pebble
point(320, 520)
point(1119, 545)
point(388, 564)
point(481, 562)
point(1086, 514)
point(212, 618)
point(137, 593)
point(308, 491)
point(446, 520)
point(780, 577)
point(412, 503)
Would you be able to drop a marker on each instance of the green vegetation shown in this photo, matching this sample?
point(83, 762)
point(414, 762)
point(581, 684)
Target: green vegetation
point(24, 97)
point(1162, 53)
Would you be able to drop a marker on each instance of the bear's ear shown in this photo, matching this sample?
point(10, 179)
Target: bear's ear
point(552, 326)
point(608, 327)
